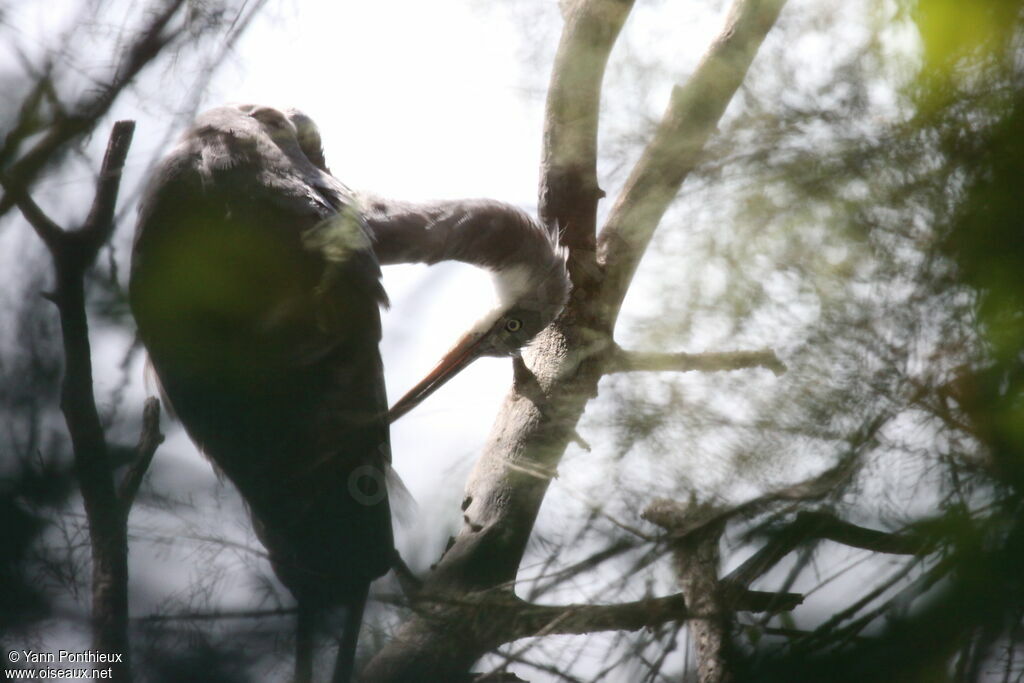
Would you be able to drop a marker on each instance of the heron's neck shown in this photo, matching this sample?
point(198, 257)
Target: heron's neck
point(484, 233)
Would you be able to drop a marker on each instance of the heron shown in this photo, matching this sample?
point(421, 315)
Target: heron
point(256, 289)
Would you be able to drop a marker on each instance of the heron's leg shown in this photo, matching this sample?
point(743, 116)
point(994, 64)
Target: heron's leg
point(345, 663)
point(304, 637)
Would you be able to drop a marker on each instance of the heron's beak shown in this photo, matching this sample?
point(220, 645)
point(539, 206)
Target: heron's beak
point(462, 354)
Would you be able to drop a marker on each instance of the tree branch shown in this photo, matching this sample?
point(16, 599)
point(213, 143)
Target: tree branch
point(73, 252)
point(529, 620)
point(680, 519)
point(221, 615)
point(815, 526)
point(827, 526)
point(502, 496)
point(650, 361)
point(99, 224)
point(759, 601)
point(695, 553)
point(568, 186)
point(543, 422)
point(83, 116)
point(509, 618)
point(149, 439)
point(44, 226)
point(692, 116)
point(539, 620)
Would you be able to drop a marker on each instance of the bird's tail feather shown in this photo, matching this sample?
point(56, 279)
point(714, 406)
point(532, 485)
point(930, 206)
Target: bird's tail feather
point(403, 505)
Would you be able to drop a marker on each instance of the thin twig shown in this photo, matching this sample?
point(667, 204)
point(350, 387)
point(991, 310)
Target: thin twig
point(84, 114)
point(221, 615)
point(647, 361)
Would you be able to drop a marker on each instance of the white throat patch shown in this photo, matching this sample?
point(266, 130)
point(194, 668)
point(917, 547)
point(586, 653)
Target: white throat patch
point(512, 284)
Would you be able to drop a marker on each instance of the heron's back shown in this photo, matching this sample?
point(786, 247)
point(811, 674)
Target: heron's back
point(266, 348)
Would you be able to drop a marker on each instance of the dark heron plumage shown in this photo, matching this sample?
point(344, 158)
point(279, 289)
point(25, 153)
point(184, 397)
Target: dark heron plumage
point(255, 284)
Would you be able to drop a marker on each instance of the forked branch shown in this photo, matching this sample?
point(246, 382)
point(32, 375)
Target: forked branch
point(73, 253)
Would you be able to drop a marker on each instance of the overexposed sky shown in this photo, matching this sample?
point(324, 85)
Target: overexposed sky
point(416, 100)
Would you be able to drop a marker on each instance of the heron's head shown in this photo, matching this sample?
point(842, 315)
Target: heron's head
point(308, 135)
point(288, 127)
point(530, 294)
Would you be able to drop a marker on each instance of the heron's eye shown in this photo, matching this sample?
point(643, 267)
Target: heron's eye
point(513, 325)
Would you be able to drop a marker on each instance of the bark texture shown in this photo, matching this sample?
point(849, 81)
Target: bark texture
point(696, 531)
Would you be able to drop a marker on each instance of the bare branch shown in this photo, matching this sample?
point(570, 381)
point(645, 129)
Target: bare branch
point(693, 114)
point(566, 574)
point(695, 528)
point(45, 227)
point(100, 222)
point(815, 488)
point(768, 556)
point(827, 526)
point(73, 253)
point(221, 615)
point(760, 601)
point(77, 249)
point(534, 620)
point(648, 361)
point(816, 526)
point(568, 184)
point(31, 115)
point(498, 618)
point(149, 440)
point(83, 115)
point(529, 620)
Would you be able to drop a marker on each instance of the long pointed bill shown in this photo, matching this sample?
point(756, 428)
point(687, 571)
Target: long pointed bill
point(462, 354)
